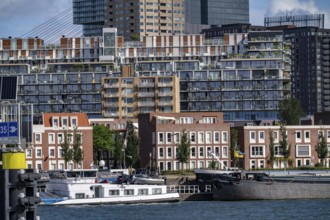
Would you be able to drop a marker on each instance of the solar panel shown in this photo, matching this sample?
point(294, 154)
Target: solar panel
point(8, 87)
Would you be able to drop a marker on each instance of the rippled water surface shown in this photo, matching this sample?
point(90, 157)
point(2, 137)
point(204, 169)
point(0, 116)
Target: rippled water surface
point(291, 209)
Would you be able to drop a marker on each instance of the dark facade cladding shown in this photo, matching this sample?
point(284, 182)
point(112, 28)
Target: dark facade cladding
point(217, 12)
point(90, 14)
point(313, 20)
point(310, 67)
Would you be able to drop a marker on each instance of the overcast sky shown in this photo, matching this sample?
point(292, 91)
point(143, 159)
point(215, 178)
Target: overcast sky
point(17, 17)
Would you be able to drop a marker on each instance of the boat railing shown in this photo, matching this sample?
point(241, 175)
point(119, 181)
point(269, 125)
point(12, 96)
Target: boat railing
point(187, 188)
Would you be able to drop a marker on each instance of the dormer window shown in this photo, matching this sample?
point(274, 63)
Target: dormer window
point(74, 122)
point(55, 121)
point(65, 122)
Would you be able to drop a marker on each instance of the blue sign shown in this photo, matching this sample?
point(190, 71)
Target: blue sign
point(8, 129)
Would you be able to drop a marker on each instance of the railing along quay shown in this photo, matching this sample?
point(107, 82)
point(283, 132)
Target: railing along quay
point(192, 192)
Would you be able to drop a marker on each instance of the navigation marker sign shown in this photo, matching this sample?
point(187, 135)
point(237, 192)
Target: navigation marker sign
point(8, 129)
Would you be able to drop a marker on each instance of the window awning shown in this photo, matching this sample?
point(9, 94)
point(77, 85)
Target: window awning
point(165, 118)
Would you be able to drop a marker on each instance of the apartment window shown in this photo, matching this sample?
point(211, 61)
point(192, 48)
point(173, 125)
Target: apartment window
point(38, 138)
point(261, 137)
point(201, 164)
point(278, 152)
point(303, 150)
point(307, 136)
point(51, 152)
point(28, 153)
point(252, 137)
point(298, 136)
point(217, 151)
point(209, 120)
point(160, 138)
point(169, 165)
point(186, 120)
point(275, 135)
point(64, 121)
point(208, 137)
point(257, 151)
point(299, 163)
point(252, 164)
point(168, 138)
point(161, 152)
point(176, 152)
point(169, 152)
point(61, 166)
point(52, 166)
point(224, 137)
point(176, 137)
point(74, 122)
point(60, 138)
point(192, 165)
point(209, 151)
point(261, 164)
point(225, 151)
point(38, 152)
point(200, 137)
point(193, 151)
point(193, 137)
point(51, 138)
point(60, 152)
point(55, 121)
point(201, 151)
point(216, 137)
point(328, 136)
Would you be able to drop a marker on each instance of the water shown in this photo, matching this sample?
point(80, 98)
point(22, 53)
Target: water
point(256, 210)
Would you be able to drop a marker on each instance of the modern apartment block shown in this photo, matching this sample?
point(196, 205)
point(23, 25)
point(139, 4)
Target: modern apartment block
point(310, 67)
point(201, 14)
point(126, 97)
point(146, 17)
point(254, 141)
point(46, 153)
point(89, 14)
point(161, 132)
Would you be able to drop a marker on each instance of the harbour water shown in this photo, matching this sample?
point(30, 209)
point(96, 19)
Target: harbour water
point(288, 209)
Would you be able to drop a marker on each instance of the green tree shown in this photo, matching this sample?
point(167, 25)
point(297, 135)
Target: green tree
point(213, 165)
point(290, 111)
point(67, 152)
point(183, 149)
point(102, 141)
point(271, 148)
point(132, 146)
point(233, 145)
point(78, 153)
point(284, 147)
point(321, 148)
point(135, 37)
point(118, 148)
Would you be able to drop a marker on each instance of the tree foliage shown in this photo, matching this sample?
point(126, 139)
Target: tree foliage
point(132, 146)
point(67, 152)
point(78, 153)
point(290, 111)
point(271, 148)
point(321, 148)
point(118, 148)
point(183, 154)
point(102, 140)
point(284, 147)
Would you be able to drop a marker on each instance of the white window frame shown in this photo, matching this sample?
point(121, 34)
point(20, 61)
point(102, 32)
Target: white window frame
point(253, 162)
point(276, 135)
point(261, 162)
point(160, 139)
point(208, 137)
point(37, 149)
point(279, 149)
point(55, 121)
point(38, 164)
point(217, 152)
point(28, 153)
point(192, 137)
point(63, 120)
point(307, 139)
point(199, 152)
point(200, 164)
point(216, 137)
point(38, 138)
point(29, 164)
point(224, 137)
point(59, 141)
point(49, 139)
point(201, 137)
point(257, 150)
point(59, 152)
point(49, 150)
point(328, 136)
point(252, 140)
point(209, 148)
point(298, 140)
point(261, 137)
point(191, 151)
point(303, 145)
point(72, 119)
point(176, 137)
point(169, 156)
point(60, 164)
point(168, 138)
point(224, 152)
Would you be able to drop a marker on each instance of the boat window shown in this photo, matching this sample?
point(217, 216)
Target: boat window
point(57, 175)
point(80, 195)
point(89, 173)
point(73, 174)
point(156, 191)
point(128, 192)
point(113, 192)
point(143, 192)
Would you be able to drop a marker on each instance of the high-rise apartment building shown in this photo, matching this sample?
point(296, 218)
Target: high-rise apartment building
point(201, 14)
point(145, 17)
point(90, 14)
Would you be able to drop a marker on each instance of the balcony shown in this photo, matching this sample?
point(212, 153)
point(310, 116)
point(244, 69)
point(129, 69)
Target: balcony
point(113, 85)
point(110, 95)
point(110, 104)
point(111, 114)
point(146, 94)
point(145, 85)
point(165, 84)
point(164, 94)
point(165, 103)
point(146, 104)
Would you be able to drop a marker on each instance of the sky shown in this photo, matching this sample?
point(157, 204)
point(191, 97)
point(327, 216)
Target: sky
point(18, 17)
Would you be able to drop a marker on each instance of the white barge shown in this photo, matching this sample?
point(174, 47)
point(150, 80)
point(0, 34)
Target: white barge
point(79, 187)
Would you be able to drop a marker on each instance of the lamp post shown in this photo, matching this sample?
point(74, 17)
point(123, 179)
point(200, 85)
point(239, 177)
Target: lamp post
point(150, 155)
point(124, 158)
